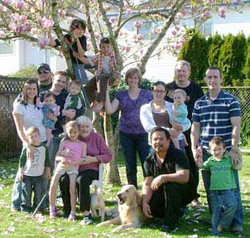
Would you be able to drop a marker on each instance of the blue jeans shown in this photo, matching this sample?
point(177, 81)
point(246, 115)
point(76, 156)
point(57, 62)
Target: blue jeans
point(223, 207)
point(53, 148)
point(131, 144)
point(30, 184)
point(80, 73)
point(237, 223)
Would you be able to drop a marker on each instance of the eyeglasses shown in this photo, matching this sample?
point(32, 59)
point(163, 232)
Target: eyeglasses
point(43, 72)
point(158, 91)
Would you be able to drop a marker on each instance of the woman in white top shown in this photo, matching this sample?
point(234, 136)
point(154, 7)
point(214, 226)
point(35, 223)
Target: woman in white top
point(159, 112)
point(26, 114)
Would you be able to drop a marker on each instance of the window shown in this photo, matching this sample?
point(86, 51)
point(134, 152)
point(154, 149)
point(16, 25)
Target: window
point(6, 48)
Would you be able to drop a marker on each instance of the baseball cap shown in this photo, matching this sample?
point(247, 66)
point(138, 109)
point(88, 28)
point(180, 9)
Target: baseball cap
point(43, 65)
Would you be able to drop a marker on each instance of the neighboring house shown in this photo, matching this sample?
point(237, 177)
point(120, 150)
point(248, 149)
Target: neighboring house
point(21, 53)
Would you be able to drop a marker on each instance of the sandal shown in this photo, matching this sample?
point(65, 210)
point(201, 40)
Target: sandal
point(52, 214)
point(71, 217)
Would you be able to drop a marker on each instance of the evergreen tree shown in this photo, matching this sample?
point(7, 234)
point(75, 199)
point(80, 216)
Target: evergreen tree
point(214, 49)
point(246, 69)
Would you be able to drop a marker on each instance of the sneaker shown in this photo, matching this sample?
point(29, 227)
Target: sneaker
point(71, 217)
point(87, 220)
point(167, 229)
point(52, 214)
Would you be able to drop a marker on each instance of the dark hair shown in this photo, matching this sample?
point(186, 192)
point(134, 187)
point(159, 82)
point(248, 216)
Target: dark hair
point(62, 73)
point(49, 94)
point(217, 141)
point(166, 132)
point(105, 40)
point(76, 23)
point(130, 72)
point(76, 82)
point(214, 68)
point(24, 98)
point(160, 83)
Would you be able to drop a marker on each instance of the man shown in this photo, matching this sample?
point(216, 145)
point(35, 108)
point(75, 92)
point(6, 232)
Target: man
point(167, 186)
point(217, 114)
point(194, 92)
point(44, 76)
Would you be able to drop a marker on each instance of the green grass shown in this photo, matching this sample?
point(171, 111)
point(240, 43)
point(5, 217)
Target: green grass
point(16, 224)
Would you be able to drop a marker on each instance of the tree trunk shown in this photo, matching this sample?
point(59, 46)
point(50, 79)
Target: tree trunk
point(111, 170)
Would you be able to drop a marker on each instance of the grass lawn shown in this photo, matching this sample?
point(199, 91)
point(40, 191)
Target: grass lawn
point(17, 224)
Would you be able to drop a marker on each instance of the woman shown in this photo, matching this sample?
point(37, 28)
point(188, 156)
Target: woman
point(133, 137)
point(159, 112)
point(97, 152)
point(26, 114)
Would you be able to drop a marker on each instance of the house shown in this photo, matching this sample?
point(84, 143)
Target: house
point(20, 53)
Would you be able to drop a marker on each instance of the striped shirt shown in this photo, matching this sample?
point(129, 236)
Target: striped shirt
point(214, 117)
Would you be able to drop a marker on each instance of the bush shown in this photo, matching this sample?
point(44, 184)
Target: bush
point(214, 49)
point(26, 72)
point(246, 69)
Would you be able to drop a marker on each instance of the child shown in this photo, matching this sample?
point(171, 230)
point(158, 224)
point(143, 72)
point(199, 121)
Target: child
point(49, 106)
point(222, 184)
point(75, 99)
point(180, 113)
point(105, 63)
point(31, 170)
point(69, 165)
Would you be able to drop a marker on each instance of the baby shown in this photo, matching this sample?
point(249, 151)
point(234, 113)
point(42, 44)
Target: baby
point(180, 113)
point(49, 106)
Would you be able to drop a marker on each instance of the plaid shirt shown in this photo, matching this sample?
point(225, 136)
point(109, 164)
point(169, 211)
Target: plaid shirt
point(98, 60)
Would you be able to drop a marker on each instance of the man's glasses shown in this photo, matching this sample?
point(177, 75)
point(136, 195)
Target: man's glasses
point(43, 72)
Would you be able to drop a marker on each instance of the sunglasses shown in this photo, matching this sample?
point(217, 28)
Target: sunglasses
point(43, 72)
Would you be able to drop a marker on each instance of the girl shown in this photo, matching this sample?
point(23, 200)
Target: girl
point(69, 165)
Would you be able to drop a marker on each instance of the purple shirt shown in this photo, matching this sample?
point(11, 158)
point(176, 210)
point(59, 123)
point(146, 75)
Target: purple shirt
point(97, 147)
point(130, 111)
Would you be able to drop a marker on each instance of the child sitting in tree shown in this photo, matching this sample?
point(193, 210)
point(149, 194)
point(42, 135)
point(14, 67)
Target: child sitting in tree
point(223, 203)
point(105, 63)
point(180, 113)
point(31, 171)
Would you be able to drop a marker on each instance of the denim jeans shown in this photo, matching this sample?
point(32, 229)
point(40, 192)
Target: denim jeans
point(16, 196)
point(237, 223)
point(223, 207)
point(80, 73)
point(131, 144)
point(30, 184)
point(53, 148)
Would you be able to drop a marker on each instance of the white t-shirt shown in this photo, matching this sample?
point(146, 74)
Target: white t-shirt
point(32, 116)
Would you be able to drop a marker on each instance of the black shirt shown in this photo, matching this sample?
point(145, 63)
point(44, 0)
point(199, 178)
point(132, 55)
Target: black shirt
point(193, 91)
point(175, 160)
point(83, 41)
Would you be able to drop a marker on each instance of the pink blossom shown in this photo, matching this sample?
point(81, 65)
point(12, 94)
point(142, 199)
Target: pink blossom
point(138, 24)
point(20, 4)
point(1, 8)
point(40, 21)
point(20, 29)
point(181, 14)
point(97, 35)
point(139, 37)
point(222, 12)
point(210, 1)
point(43, 42)
point(112, 20)
point(173, 32)
point(106, 6)
point(2, 34)
point(126, 5)
point(27, 27)
point(156, 31)
point(120, 33)
point(177, 28)
point(48, 23)
point(127, 48)
point(129, 11)
point(23, 18)
point(62, 13)
point(33, 31)
point(9, 2)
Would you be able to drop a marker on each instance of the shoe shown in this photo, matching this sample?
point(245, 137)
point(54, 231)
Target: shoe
point(72, 217)
point(167, 228)
point(52, 214)
point(87, 220)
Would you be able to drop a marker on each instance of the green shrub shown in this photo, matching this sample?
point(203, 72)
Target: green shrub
point(26, 72)
point(214, 49)
point(246, 69)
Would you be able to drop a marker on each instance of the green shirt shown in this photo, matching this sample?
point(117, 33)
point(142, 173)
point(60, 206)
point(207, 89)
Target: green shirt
point(222, 173)
point(35, 167)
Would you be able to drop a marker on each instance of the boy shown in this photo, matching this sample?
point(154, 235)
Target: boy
point(31, 170)
point(222, 185)
point(105, 63)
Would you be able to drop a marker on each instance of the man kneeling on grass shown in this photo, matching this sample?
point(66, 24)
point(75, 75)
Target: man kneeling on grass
point(168, 186)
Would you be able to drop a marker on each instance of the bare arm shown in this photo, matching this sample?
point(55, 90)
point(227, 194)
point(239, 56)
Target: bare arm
point(236, 130)
point(195, 135)
point(111, 107)
point(147, 193)
point(18, 119)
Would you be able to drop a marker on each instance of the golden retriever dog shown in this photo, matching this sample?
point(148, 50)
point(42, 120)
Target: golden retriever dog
point(130, 209)
point(97, 201)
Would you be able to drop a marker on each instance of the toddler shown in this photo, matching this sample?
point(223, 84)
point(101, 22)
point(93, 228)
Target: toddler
point(31, 171)
point(68, 164)
point(49, 106)
point(180, 113)
point(223, 201)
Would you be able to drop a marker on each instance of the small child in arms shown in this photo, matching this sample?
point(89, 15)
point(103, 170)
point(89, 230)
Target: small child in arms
point(69, 165)
point(180, 113)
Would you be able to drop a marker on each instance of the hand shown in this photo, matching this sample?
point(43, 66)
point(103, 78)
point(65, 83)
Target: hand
point(89, 160)
point(48, 174)
point(146, 210)
point(70, 113)
point(157, 182)
point(67, 153)
point(51, 116)
point(75, 35)
point(20, 176)
point(177, 126)
point(198, 155)
point(30, 152)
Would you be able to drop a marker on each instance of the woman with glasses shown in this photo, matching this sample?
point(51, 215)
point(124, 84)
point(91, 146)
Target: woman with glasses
point(158, 112)
point(133, 137)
